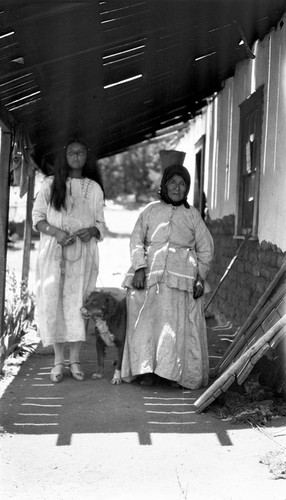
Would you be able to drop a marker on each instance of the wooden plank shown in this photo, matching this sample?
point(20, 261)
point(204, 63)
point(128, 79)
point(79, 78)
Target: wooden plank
point(281, 307)
point(28, 229)
point(256, 335)
point(258, 314)
point(5, 148)
point(278, 337)
point(250, 338)
point(251, 363)
point(206, 403)
point(265, 311)
point(271, 319)
point(232, 355)
point(235, 367)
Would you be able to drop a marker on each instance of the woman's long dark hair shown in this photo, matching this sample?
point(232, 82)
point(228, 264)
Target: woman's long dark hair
point(90, 170)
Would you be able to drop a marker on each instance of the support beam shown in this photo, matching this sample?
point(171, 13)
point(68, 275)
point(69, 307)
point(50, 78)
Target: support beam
point(28, 229)
point(5, 147)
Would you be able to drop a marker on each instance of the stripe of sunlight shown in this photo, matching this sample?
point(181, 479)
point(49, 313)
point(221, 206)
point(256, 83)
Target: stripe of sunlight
point(207, 144)
point(21, 424)
point(38, 414)
point(205, 56)
point(160, 226)
point(253, 69)
point(277, 109)
point(169, 404)
point(48, 368)
point(7, 34)
point(41, 378)
point(115, 54)
point(43, 397)
point(25, 104)
point(168, 399)
point(125, 59)
point(21, 99)
point(157, 402)
point(42, 385)
point(45, 405)
point(13, 80)
point(171, 423)
point(166, 412)
point(229, 141)
point(214, 155)
point(123, 81)
point(41, 405)
point(265, 149)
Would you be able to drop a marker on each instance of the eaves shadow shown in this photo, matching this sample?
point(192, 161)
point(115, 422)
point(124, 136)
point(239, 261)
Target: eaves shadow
point(33, 405)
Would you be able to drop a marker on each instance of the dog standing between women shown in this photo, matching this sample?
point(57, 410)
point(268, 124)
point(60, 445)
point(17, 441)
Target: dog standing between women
point(107, 308)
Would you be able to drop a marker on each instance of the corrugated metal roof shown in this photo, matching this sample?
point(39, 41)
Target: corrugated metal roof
point(117, 71)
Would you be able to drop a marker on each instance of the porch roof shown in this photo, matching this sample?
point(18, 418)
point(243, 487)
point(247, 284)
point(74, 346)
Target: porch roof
point(120, 71)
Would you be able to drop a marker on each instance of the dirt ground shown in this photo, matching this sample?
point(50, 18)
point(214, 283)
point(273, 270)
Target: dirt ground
point(90, 440)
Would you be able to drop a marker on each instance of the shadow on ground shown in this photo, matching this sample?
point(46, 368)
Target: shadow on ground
point(33, 405)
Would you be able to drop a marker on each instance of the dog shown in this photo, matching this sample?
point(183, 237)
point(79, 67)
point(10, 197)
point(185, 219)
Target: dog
point(107, 308)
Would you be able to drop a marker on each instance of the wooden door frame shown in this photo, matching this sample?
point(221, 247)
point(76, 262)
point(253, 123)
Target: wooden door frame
point(255, 101)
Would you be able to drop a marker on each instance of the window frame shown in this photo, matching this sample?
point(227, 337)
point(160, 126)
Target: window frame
point(200, 175)
point(252, 106)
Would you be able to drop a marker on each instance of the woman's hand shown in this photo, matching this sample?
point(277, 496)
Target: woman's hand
point(87, 233)
point(64, 238)
point(198, 288)
point(139, 279)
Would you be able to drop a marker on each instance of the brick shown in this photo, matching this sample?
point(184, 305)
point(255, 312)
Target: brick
point(255, 270)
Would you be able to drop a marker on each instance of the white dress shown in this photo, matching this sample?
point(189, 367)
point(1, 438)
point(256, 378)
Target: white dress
point(166, 329)
point(65, 276)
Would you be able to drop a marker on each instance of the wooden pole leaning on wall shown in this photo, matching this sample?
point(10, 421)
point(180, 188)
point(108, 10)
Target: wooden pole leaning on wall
point(247, 236)
point(28, 228)
point(224, 381)
point(252, 317)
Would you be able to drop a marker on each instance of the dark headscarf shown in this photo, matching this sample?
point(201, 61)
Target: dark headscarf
point(169, 172)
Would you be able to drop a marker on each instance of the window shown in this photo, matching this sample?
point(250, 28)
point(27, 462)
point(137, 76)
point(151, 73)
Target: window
point(249, 163)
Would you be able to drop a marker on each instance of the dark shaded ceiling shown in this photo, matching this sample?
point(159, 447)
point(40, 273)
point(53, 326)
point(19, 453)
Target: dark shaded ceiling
point(119, 71)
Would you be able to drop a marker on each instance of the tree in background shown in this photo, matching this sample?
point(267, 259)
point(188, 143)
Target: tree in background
point(136, 171)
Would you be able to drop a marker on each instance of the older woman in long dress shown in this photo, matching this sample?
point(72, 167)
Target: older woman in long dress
point(171, 252)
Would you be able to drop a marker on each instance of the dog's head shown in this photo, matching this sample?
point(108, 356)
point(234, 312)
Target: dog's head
point(98, 304)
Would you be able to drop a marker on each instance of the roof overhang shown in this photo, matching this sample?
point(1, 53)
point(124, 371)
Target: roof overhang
point(119, 71)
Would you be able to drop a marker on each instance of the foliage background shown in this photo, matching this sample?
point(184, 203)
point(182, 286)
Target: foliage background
point(136, 171)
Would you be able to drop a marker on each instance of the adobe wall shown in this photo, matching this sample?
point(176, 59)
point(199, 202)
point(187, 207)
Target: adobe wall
point(252, 272)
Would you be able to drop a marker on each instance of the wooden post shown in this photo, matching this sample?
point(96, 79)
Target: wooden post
point(28, 229)
point(5, 147)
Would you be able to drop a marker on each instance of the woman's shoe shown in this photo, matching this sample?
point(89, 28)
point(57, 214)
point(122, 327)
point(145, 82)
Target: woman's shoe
point(57, 377)
point(77, 375)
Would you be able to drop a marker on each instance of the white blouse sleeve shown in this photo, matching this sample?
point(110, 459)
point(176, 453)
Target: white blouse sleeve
point(204, 246)
point(41, 202)
point(99, 210)
point(137, 249)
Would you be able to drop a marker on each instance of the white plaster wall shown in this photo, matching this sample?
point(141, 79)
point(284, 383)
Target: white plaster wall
point(187, 144)
point(272, 202)
point(220, 122)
